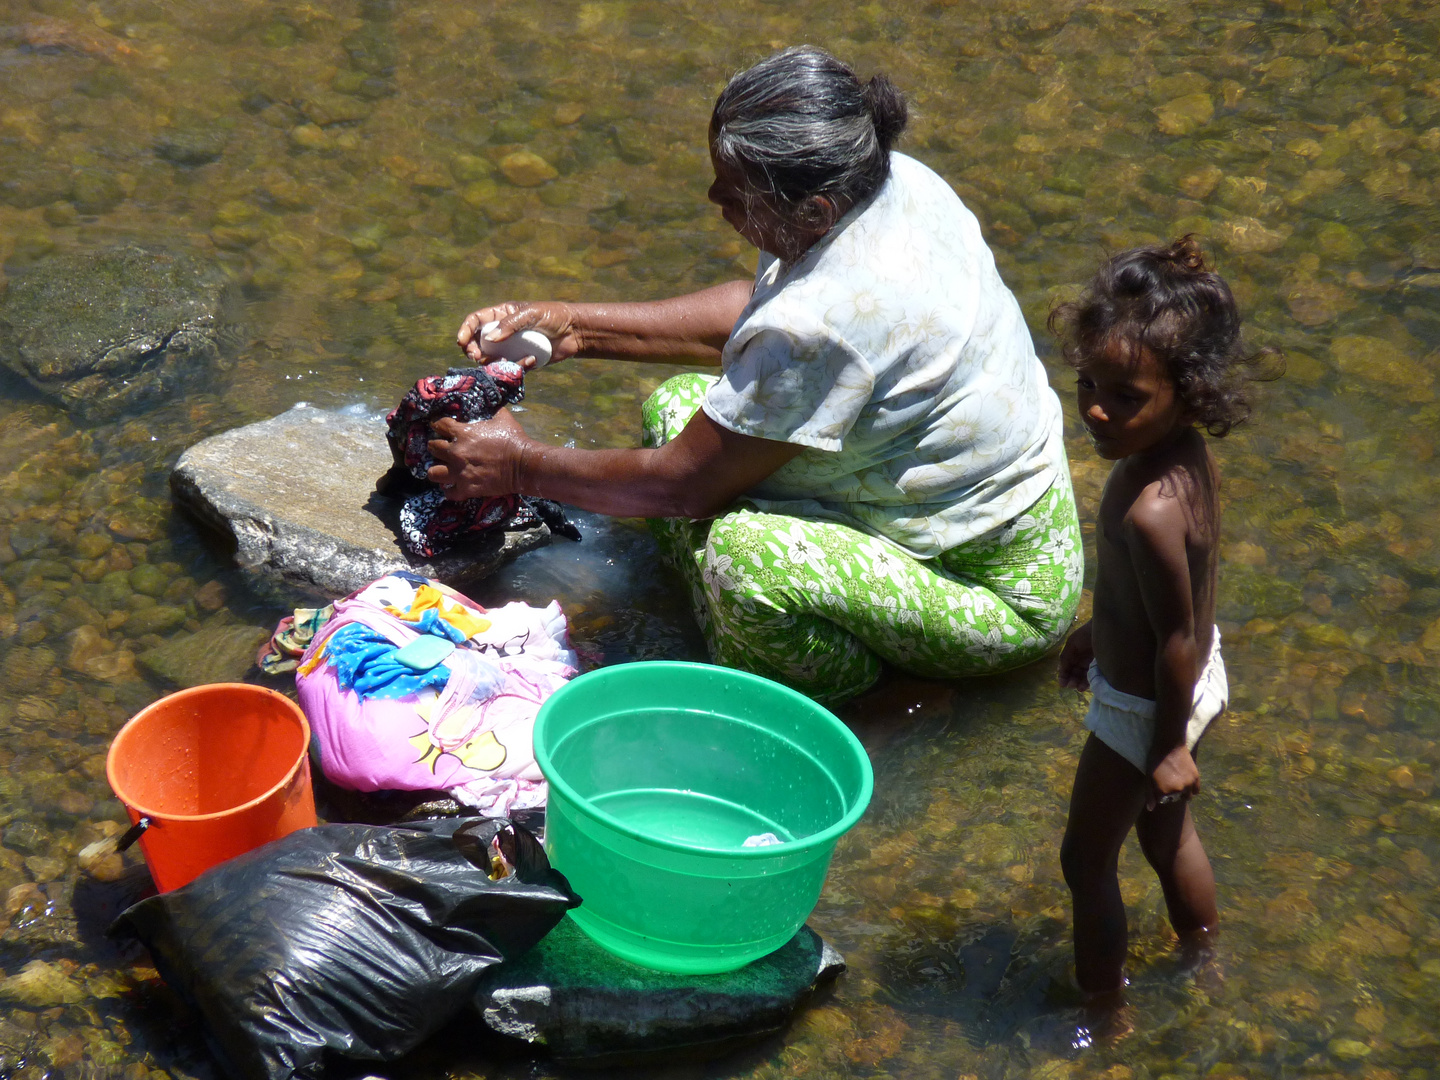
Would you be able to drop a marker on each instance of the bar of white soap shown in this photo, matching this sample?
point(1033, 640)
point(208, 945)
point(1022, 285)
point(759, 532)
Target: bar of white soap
point(517, 346)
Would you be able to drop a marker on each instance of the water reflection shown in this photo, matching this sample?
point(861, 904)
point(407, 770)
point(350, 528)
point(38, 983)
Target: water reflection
point(367, 172)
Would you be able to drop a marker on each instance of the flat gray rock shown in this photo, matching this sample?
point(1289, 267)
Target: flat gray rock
point(105, 331)
point(583, 1004)
point(296, 496)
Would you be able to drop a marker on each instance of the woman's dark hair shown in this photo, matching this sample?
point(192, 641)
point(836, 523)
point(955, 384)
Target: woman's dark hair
point(1167, 300)
point(800, 123)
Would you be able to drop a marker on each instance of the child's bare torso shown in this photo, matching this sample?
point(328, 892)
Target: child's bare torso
point(1121, 627)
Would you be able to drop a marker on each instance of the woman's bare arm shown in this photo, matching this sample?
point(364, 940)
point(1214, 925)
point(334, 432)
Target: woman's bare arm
point(697, 474)
point(687, 329)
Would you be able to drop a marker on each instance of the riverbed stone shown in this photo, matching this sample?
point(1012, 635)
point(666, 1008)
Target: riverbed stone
point(294, 498)
point(109, 330)
point(41, 985)
point(154, 619)
point(526, 169)
point(212, 654)
point(583, 1004)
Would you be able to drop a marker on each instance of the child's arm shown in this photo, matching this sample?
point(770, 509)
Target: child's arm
point(1156, 531)
point(1075, 657)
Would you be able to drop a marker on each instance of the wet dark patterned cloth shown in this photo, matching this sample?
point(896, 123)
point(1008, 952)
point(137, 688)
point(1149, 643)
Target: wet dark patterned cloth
point(430, 523)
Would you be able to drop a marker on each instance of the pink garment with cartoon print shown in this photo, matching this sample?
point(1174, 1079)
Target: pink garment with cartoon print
point(474, 738)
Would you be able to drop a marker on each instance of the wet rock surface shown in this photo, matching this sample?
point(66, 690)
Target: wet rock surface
point(295, 496)
point(115, 329)
point(212, 654)
point(583, 1004)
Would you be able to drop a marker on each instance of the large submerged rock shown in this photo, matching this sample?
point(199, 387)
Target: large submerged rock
point(296, 497)
point(110, 330)
point(583, 1004)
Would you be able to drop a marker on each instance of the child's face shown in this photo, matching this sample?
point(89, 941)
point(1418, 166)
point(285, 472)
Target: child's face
point(1127, 402)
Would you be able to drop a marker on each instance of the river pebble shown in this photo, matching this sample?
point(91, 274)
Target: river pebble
point(525, 169)
point(40, 984)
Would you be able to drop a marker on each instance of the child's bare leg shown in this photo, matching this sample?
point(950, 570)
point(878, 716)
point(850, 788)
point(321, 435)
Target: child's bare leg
point(1108, 795)
point(1172, 847)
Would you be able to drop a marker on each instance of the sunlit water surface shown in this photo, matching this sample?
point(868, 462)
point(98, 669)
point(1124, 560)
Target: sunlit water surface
point(358, 200)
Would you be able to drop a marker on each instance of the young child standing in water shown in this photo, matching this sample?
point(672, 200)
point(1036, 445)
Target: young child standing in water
point(1155, 343)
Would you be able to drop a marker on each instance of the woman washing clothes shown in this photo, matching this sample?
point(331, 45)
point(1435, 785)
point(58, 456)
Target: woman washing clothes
point(877, 473)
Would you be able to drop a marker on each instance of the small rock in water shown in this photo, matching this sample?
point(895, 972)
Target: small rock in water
point(212, 654)
point(1314, 303)
point(24, 837)
point(76, 803)
point(1303, 368)
point(1247, 236)
point(130, 525)
point(101, 861)
point(44, 867)
point(191, 147)
point(526, 169)
point(86, 643)
point(96, 191)
point(92, 545)
point(1349, 1049)
point(26, 669)
point(210, 596)
point(1379, 361)
point(26, 897)
point(468, 168)
point(159, 619)
point(116, 665)
point(325, 108)
point(42, 985)
point(309, 137)
point(37, 710)
point(1185, 114)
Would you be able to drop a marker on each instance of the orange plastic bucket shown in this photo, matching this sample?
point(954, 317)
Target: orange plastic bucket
point(218, 770)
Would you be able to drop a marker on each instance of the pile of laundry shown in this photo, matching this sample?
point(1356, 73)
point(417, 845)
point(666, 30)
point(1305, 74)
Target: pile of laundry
point(429, 522)
point(412, 686)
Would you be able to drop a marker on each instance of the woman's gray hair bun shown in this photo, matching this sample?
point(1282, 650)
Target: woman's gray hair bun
point(800, 123)
point(888, 110)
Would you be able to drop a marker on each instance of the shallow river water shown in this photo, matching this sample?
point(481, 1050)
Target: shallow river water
point(353, 165)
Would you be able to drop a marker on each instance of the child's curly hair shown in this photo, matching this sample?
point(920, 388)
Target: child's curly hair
point(1167, 300)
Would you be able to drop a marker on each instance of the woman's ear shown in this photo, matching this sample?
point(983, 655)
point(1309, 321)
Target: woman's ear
point(818, 213)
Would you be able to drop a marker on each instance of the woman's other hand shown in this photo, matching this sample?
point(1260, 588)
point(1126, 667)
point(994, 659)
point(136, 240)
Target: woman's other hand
point(1075, 659)
point(478, 459)
point(555, 320)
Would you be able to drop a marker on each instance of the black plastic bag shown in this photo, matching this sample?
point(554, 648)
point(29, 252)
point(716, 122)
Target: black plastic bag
point(355, 941)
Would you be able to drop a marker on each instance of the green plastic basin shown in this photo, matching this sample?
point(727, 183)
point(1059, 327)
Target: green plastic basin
point(659, 772)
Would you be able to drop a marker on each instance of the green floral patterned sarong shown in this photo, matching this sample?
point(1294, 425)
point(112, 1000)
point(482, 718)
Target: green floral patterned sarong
point(819, 605)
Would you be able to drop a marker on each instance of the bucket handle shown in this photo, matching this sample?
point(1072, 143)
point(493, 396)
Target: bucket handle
point(132, 834)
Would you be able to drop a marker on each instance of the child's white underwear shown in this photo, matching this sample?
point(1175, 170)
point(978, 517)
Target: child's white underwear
point(1126, 723)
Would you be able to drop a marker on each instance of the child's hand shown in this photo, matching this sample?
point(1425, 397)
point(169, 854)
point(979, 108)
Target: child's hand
point(1174, 779)
point(1075, 657)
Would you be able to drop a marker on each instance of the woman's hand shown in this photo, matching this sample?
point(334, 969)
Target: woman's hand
point(480, 459)
point(1075, 659)
point(555, 320)
point(1176, 777)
